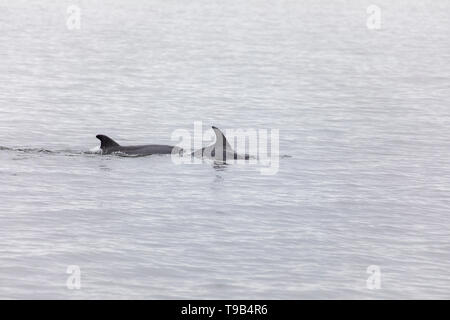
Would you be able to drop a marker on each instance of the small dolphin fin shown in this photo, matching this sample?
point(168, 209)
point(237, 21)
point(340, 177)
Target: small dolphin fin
point(221, 147)
point(221, 141)
point(106, 142)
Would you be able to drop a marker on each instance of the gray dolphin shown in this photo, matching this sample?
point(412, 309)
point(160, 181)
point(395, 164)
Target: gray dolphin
point(221, 150)
point(109, 146)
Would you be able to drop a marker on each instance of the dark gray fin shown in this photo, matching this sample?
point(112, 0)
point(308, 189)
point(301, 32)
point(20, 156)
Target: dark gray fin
point(221, 147)
point(106, 142)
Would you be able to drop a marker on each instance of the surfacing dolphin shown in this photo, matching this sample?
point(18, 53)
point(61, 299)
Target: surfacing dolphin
point(109, 146)
point(221, 150)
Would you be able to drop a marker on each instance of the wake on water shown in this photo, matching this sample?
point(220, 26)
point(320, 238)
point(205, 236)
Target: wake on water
point(67, 152)
point(47, 151)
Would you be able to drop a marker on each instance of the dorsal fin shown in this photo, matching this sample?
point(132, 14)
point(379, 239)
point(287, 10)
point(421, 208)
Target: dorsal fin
point(221, 147)
point(106, 142)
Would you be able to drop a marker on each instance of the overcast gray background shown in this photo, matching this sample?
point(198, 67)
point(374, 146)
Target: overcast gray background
point(364, 115)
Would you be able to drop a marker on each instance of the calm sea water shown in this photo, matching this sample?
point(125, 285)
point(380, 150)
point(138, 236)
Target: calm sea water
point(363, 114)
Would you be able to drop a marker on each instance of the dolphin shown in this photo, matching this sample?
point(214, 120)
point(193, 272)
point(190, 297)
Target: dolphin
point(221, 150)
point(109, 146)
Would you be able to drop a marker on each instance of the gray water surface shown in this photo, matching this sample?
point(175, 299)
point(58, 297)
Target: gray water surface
point(364, 116)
